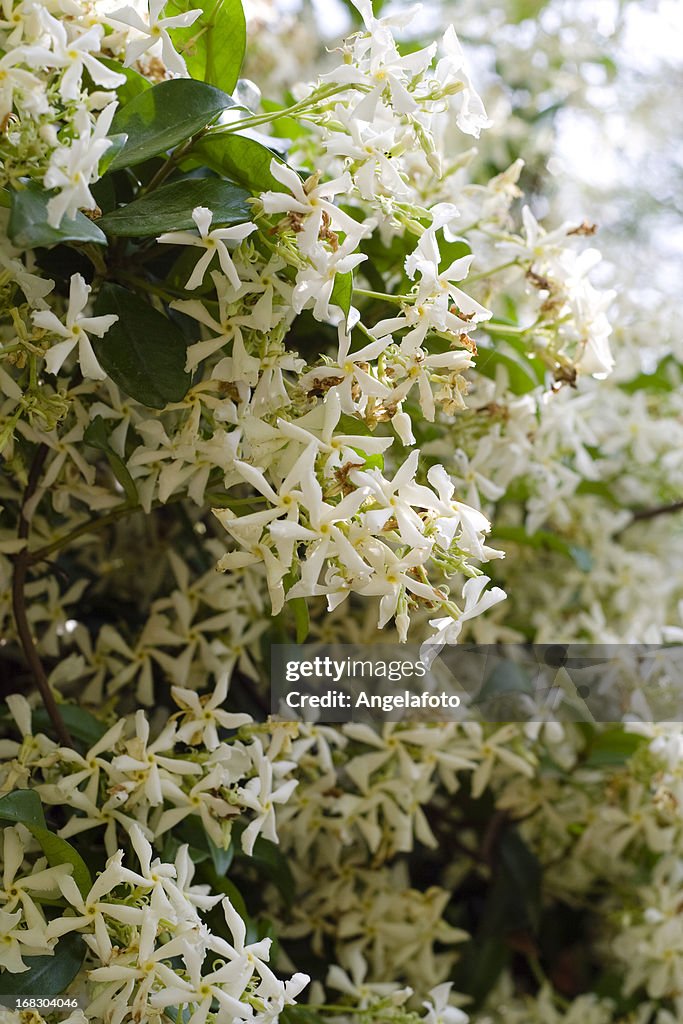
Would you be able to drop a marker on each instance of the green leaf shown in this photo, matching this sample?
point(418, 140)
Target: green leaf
point(274, 864)
point(299, 1014)
point(144, 352)
point(221, 859)
point(342, 293)
point(97, 436)
point(612, 748)
point(521, 375)
point(47, 975)
point(665, 377)
point(354, 426)
point(302, 620)
point(170, 208)
point(135, 83)
point(522, 10)
point(581, 556)
point(23, 805)
point(214, 45)
point(285, 127)
point(107, 159)
point(58, 851)
point(161, 117)
point(80, 723)
point(375, 461)
point(514, 899)
point(239, 159)
point(219, 883)
point(506, 677)
point(28, 226)
point(546, 539)
point(452, 251)
point(479, 966)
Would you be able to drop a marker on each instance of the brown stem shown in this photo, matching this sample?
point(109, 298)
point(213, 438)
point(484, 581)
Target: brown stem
point(21, 564)
point(658, 510)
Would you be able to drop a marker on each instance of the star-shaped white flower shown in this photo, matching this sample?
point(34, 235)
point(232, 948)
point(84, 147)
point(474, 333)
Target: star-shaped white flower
point(154, 32)
point(75, 331)
point(213, 242)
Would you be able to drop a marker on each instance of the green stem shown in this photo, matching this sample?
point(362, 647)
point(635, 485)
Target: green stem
point(21, 566)
point(170, 163)
point(489, 273)
point(120, 511)
point(91, 526)
point(275, 115)
point(494, 327)
point(543, 982)
point(168, 294)
point(384, 296)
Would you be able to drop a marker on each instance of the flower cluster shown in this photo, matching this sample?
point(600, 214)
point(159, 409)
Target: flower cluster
point(306, 364)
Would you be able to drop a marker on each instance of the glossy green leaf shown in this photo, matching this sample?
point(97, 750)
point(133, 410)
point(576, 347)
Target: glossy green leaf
point(58, 851)
point(239, 159)
point(164, 116)
point(213, 46)
point(170, 207)
point(47, 975)
point(23, 805)
point(219, 883)
point(117, 144)
point(144, 352)
point(135, 82)
point(28, 227)
point(97, 435)
point(342, 293)
point(80, 723)
point(221, 859)
point(522, 377)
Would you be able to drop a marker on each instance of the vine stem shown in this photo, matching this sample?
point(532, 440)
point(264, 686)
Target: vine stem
point(274, 115)
point(125, 509)
point(21, 564)
point(658, 510)
point(489, 273)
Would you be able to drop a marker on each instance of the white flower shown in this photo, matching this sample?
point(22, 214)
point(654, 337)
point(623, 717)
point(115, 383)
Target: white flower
point(75, 330)
point(154, 32)
point(259, 796)
point(311, 200)
point(73, 55)
point(92, 909)
point(73, 168)
point(202, 715)
point(387, 494)
point(377, 64)
point(314, 283)
point(450, 74)
point(213, 242)
point(438, 1010)
point(448, 629)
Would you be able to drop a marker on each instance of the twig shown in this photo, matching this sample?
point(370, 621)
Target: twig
point(21, 564)
point(489, 844)
point(658, 510)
